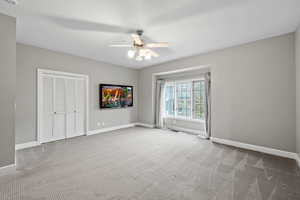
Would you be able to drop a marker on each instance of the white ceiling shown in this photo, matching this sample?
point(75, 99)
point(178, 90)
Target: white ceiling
point(86, 27)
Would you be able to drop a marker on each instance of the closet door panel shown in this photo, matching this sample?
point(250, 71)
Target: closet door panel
point(71, 107)
point(80, 106)
point(59, 100)
point(47, 131)
point(59, 129)
point(63, 102)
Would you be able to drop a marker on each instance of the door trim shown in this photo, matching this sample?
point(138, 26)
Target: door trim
point(45, 72)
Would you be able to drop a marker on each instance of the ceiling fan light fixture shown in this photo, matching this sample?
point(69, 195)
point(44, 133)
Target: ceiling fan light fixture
point(148, 57)
point(139, 49)
point(139, 58)
point(131, 53)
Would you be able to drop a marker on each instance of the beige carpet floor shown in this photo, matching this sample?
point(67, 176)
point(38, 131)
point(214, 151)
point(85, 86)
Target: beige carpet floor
point(148, 164)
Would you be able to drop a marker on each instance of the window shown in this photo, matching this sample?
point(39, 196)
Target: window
point(199, 99)
point(185, 99)
point(169, 100)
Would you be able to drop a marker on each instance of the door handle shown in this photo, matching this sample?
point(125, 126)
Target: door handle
point(59, 113)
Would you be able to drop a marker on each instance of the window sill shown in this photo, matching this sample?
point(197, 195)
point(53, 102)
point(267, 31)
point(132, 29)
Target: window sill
point(185, 119)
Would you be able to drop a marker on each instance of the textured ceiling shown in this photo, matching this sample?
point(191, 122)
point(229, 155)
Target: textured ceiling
point(86, 27)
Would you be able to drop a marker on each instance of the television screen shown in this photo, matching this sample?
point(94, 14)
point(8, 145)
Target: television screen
point(116, 96)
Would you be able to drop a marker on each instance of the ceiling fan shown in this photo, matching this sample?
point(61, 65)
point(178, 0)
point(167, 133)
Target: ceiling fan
point(140, 50)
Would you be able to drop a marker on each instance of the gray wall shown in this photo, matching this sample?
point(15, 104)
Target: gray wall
point(30, 58)
point(253, 92)
point(7, 89)
point(297, 58)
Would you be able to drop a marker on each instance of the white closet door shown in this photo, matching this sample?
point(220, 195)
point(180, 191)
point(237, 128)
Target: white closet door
point(59, 127)
point(80, 106)
point(62, 100)
point(71, 107)
point(47, 121)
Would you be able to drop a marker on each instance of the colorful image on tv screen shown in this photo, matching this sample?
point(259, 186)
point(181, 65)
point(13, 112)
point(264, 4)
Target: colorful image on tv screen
point(116, 96)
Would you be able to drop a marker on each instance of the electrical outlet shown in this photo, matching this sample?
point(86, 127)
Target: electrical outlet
point(103, 124)
point(98, 124)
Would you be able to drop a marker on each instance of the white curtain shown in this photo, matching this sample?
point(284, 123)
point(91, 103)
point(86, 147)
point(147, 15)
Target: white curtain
point(208, 104)
point(159, 103)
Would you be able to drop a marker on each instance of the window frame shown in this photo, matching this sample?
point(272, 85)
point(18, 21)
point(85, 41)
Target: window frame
point(175, 116)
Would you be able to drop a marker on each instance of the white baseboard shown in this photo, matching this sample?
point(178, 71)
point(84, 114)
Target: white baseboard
point(252, 147)
point(103, 130)
point(7, 169)
point(144, 125)
point(93, 132)
point(27, 145)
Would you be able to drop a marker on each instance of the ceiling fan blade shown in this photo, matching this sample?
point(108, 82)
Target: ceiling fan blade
point(137, 39)
point(157, 45)
point(153, 53)
point(120, 45)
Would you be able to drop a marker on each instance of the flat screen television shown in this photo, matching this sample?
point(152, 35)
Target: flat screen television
point(115, 96)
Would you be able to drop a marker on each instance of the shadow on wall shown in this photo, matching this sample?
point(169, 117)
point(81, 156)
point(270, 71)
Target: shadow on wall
point(192, 8)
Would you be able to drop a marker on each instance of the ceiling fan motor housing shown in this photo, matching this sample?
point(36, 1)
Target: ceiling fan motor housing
point(138, 45)
point(140, 32)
